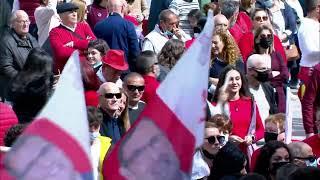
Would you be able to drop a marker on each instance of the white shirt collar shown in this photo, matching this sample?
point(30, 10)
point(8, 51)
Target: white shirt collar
point(72, 29)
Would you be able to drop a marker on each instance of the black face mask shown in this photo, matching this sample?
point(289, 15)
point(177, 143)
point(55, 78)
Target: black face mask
point(262, 76)
point(276, 166)
point(265, 42)
point(197, 30)
point(269, 136)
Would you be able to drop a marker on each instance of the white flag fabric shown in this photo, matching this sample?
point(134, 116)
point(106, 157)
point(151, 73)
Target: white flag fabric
point(288, 123)
point(189, 77)
point(56, 144)
point(161, 143)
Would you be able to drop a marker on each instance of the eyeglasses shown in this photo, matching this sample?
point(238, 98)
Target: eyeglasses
point(111, 95)
point(265, 36)
point(309, 158)
point(134, 88)
point(213, 139)
point(261, 18)
point(23, 22)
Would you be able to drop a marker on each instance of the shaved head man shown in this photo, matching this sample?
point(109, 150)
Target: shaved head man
point(134, 86)
point(221, 23)
point(109, 97)
point(302, 154)
point(258, 73)
point(117, 6)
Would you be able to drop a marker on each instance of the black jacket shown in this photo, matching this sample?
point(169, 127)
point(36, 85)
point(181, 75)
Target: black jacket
point(13, 54)
point(270, 96)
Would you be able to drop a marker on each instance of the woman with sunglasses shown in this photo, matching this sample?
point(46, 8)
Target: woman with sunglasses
point(204, 156)
point(263, 44)
point(259, 18)
point(233, 97)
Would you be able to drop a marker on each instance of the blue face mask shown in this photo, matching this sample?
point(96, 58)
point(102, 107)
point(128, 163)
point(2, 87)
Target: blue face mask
point(94, 136)
point(168, 33)
point(312, 163)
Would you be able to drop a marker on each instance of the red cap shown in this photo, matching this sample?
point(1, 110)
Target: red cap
point(115, 59)
point(92, 98)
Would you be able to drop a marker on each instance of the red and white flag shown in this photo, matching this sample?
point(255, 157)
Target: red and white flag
point(56, 144)
point(161, 144)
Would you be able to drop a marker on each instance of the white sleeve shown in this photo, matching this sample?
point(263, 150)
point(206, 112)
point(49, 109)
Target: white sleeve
point(147, 45)
point(16, 5)
point(174, 7)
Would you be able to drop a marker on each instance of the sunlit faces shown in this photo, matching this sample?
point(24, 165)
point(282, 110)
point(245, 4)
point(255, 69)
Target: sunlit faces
point(69, 17)
point(260, 18)
point(110, 74)
point(21, 23)
point(93, 56)
point(221, 23)
point(217, 45)
point(171, 23)
point(135, 88)
point(234, 81)
point(212, 148)
point(110, 98)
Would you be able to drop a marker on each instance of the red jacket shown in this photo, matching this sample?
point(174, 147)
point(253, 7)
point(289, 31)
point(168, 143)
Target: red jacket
point(7, 119)
point(310, 101)
point(29, 6)
point(242, 26)
point(246, 46)
point(60, 36)
point(151, 85)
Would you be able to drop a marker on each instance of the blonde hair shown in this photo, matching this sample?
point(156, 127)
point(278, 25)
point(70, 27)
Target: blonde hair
point(82, 11)
point(278, 118)
point(230, 52)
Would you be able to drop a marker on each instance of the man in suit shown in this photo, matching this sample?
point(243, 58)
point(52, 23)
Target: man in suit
point(119, 33)
point(16, 43)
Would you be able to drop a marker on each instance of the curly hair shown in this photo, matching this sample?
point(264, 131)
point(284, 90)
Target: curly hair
point(171, 53)
point(230, 52)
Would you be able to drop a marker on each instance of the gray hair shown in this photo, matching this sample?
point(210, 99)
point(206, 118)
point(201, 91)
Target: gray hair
point(14, 16)
point(164, 15)
point(229, 8)
point(297, 149)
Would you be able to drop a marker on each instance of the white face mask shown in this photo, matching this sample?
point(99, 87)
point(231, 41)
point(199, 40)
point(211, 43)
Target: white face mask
point(94, 136)
point(311, 163)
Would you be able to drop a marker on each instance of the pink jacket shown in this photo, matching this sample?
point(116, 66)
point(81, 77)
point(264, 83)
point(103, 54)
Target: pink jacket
point(7, 119)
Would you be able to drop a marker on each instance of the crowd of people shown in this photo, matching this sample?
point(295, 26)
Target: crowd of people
point(260, 48)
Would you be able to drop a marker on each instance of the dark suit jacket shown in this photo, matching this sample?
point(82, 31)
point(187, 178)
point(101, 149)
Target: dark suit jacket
point(13, 54)
point(270, 96)
point(119, 34)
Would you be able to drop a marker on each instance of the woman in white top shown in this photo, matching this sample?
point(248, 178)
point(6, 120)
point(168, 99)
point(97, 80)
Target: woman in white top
point(46, 19)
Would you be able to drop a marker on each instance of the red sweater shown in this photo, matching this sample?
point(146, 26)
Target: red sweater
point(151, 85)
point(311, 100)
point(246, 46)
point(314, 143)
point(242, 26)
point(7, 119)
point(60, 36)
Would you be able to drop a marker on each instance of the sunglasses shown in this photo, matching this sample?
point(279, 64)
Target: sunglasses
point(134, 88)
point(266, 36)
point(261, 18)
point(111, 95)
point(309, 158)
point(214, 139)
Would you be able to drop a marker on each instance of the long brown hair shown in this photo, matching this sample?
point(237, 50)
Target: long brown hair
point(230, 52)
point(257, 34)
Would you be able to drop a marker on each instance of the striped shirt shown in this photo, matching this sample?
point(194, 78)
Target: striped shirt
point(182, 8)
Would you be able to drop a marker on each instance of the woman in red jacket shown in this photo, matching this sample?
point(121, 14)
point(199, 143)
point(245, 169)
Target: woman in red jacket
point(233, 95)
point(259, 18)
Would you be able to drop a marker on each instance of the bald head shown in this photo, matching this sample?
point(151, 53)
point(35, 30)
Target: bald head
point(221, 23)
point(258, 61)
point(108, 87)
point(300, 149)
point(133, 76)
point(117, 6)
